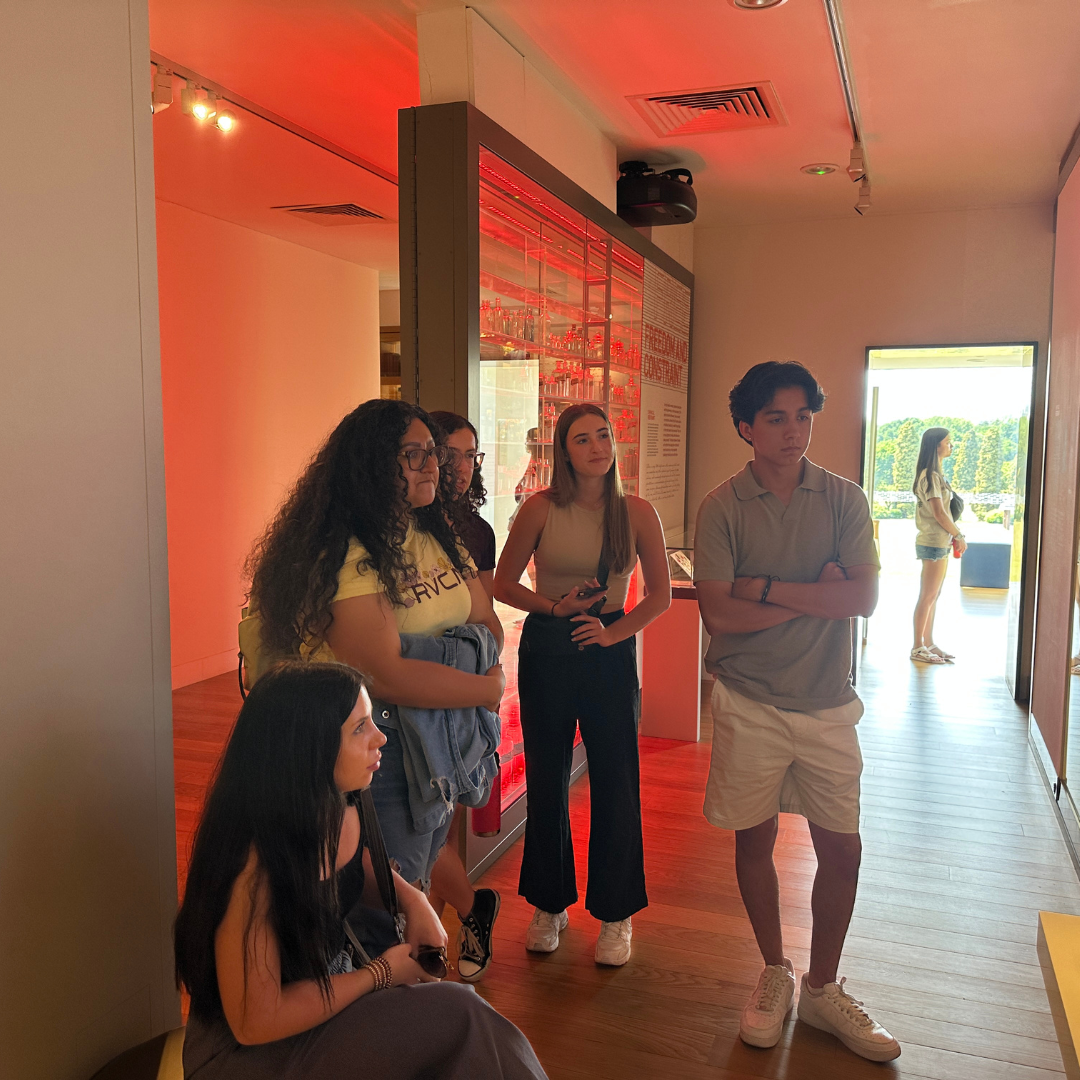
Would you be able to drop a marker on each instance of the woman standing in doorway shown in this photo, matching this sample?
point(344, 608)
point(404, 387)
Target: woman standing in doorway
point(577, 665)
point(937, 532)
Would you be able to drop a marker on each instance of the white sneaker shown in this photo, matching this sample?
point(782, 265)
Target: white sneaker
point(834, 1010)
point(613, 944)
point(544, 930)
point(763, 1017)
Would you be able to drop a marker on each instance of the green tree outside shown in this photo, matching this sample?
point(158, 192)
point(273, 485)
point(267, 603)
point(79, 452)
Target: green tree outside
point(967, 462)
point(988, 479)
point(883, 464)
point(988, 469)
point(906, 455)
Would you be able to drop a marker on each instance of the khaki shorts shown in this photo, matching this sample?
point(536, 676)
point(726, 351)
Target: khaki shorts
point(767, 761)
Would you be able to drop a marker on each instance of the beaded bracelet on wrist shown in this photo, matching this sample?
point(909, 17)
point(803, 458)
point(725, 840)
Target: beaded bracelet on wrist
point(381, 972)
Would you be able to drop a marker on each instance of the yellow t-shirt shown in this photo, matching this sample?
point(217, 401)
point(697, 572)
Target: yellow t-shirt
point(436, 596)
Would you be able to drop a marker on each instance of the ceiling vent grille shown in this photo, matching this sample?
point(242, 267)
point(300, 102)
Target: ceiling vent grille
point(333, 213)
point(719, 108)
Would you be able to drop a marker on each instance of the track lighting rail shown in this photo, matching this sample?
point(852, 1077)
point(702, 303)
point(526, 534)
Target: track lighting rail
point(225, 94)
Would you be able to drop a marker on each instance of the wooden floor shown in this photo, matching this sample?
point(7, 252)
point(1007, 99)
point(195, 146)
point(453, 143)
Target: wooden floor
point(962, 850)
point(203, 716)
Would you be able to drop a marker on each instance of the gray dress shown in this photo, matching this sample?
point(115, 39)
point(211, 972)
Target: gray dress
point(433, 1031)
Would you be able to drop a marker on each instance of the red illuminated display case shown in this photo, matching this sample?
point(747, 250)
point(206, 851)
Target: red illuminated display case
point(520, 295)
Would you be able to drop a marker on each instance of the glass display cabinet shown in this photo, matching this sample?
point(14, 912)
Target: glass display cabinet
point(520, 296)
point(560, 323)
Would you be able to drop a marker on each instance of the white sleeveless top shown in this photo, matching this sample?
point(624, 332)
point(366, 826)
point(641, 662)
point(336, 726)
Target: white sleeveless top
point(569, 554)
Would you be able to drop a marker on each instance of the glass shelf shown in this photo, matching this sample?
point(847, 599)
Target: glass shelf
point(560, 324)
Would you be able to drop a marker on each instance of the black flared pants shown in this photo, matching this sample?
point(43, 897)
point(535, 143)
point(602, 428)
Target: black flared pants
point(596, 688)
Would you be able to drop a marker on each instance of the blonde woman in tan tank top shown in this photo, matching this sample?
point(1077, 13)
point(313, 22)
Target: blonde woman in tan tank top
point(577, 667)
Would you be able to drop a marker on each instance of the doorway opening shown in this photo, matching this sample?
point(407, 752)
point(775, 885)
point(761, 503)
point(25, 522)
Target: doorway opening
point(982, 395)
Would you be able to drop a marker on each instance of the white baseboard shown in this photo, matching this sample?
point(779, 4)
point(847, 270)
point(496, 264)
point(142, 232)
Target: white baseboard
point(196, 670)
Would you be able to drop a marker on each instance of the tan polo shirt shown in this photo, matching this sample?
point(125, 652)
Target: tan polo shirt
point(745, 531)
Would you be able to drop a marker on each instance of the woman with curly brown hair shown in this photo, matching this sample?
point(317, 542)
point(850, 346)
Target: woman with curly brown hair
point(361, 553)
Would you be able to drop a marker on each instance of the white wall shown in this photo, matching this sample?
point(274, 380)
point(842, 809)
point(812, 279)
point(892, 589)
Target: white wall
point(820, 292)
point(389, 307)
point(87, 836)
point(676, 240)
point(463, 59)
point(252, 383)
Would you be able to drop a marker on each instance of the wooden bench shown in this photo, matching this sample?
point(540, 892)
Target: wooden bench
point(1059, 956)
point(161, 1058)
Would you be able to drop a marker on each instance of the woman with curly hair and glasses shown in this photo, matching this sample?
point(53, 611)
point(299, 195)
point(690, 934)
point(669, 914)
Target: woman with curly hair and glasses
point(470, 494)
point(361, 553)
point(280, 860)
point(477, 908)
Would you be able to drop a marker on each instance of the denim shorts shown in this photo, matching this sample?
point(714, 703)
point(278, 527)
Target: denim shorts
point(414, 852)
point(930, 554)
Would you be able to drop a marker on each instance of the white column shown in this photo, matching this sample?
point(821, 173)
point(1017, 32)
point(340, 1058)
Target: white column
point(462, 58)
point(87, 837)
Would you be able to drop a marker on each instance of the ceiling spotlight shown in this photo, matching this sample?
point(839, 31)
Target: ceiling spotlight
point(753, 5)
point(204, 106)
point(864, 197)
point(819, 168)
point(163, 91)
point(225, 120)
point(856, 169)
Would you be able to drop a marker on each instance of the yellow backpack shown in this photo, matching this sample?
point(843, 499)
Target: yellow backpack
point(253, 659)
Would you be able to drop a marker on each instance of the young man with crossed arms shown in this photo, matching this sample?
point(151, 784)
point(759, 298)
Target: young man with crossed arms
point(784, 557)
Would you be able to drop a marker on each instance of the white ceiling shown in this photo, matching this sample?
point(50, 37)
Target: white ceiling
point(244, 175)
point(964, 103)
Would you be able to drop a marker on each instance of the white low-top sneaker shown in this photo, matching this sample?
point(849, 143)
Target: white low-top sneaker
point(613, 944)
point(544, 930)
point(763, 1017)
point(834, 1010)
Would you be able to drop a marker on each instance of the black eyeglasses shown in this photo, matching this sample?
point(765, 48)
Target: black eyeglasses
point(418, 458)
point(477, 459)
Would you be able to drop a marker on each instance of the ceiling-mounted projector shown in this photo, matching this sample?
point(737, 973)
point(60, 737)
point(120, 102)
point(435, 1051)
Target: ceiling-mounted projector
point(648, 198)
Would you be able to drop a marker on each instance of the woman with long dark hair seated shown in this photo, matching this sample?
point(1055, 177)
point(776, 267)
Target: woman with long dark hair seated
point(261, 947)
point(361, 562)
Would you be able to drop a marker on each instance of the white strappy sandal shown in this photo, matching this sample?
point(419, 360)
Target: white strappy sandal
point(924, 656)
